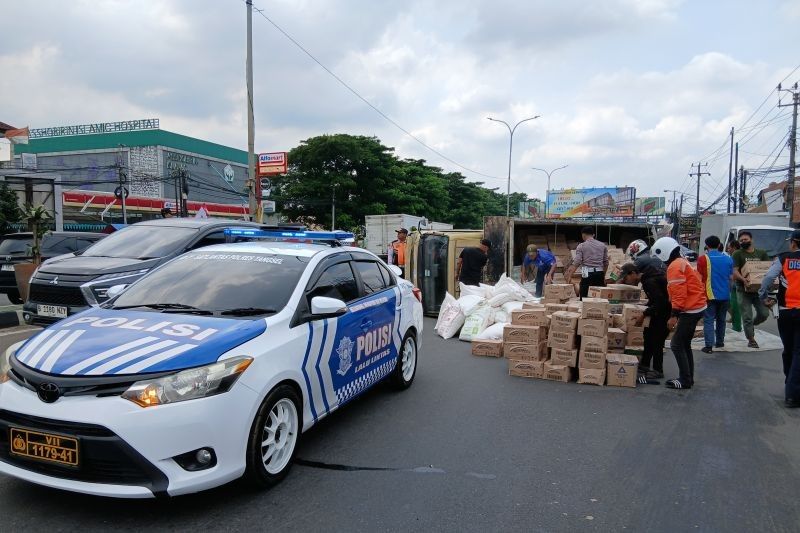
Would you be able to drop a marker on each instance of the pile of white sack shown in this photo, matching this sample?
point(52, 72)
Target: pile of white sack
point(481, 312)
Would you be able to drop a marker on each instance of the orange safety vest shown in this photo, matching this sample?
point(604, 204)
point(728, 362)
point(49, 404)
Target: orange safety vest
point(789, 288)
point(399, 257)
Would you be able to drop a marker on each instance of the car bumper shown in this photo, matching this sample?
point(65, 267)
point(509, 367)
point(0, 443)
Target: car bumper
point(127, 451)
point(31, 314)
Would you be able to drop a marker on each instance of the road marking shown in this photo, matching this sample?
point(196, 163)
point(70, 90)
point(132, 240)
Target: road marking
point(17, 331)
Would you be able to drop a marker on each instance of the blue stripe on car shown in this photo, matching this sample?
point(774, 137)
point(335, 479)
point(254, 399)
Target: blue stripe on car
point(305, 374)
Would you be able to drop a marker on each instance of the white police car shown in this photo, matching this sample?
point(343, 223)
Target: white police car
point(207, 369)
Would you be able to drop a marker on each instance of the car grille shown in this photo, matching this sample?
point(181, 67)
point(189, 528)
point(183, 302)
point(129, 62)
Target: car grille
point(55, 295)
point(104, 457)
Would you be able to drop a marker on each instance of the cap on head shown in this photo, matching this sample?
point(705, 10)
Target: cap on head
point(487, 243)
point(627, 268)
point(401, 230)
point(588, 230)
point(532, 249)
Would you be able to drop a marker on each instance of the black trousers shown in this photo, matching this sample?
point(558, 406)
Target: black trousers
point(654, 336)
point(595, 279)
point(681, 345)
point(789, 330)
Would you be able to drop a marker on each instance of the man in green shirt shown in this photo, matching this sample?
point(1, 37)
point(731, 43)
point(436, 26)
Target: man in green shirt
point(748, 300)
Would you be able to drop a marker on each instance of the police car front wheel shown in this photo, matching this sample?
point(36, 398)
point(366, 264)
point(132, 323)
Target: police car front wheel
point(406, 367)
point(273, 437)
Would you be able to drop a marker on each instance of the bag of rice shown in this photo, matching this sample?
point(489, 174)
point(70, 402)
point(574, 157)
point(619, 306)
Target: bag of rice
point(469, 302)
point(451, 318)
point(495, 331)
point(476, 322)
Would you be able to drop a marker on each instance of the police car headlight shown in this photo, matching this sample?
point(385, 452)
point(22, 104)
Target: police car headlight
point(188, 384)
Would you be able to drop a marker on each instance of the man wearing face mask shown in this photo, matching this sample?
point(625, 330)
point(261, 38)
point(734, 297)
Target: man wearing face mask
point(747, 300)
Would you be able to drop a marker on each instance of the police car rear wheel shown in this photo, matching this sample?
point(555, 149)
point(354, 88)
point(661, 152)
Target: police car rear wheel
point(273, 438)
point(406, 367)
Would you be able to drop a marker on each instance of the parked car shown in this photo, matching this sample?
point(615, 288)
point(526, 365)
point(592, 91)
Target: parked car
point(18, 248)
point(70, 284)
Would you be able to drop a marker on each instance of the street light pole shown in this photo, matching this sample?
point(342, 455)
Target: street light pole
point(510, 147)
point(547, 194)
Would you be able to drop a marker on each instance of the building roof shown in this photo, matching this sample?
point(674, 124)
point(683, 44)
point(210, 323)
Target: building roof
point(154, 137)
point(5, 127)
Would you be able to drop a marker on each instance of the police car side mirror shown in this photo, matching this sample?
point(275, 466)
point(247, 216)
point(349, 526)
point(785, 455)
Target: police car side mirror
point(116, 290)
point(322, 306)
point(396, 270)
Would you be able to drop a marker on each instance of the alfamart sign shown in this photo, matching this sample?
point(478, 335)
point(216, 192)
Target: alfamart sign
point(100, 127)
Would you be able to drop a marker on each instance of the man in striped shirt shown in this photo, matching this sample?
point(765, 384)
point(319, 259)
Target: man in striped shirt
point(591, 256)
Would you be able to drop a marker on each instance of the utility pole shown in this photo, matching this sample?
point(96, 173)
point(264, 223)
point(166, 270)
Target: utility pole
point(176, 176)
point(680, 219)
point(184, 193)
point(743, 178)
point(730, 173)
point(792, 147)
point(122, 177)
point(510, 147)
point(333, 207)
point(251, 131)
point(698, 174)
point(736, 180)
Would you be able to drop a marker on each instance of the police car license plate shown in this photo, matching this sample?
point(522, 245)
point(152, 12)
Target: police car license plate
point(56, 311)
point(7, 268)
point(44, 446)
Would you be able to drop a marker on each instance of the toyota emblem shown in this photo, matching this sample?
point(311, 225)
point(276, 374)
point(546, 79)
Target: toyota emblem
point(48, 392)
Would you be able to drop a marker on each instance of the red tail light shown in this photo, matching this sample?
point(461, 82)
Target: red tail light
point(417, 294)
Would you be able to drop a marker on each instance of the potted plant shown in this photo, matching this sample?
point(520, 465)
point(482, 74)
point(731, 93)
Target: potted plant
point(37, 218)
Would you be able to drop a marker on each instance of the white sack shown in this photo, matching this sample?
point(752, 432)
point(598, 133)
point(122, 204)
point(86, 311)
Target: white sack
point(471, 290)
point(495, 331)
point(475, 323)
point(501, 315)
point(508, 307)
point(451, 318)
point(509, 286)
point(469, 302)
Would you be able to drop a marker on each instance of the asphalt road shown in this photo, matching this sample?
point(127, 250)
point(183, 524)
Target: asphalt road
point(469, 448)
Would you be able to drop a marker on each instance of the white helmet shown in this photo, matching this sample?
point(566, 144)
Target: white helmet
point(663, 248)
point(636, 249)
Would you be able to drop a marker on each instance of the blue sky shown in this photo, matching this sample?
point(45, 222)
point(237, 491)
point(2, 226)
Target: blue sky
point(629, 92)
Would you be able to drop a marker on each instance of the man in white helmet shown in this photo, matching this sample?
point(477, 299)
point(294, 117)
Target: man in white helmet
point(688, 299)
point(639, 252)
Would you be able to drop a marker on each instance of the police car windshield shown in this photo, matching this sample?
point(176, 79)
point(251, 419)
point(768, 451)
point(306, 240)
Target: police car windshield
point(140, 242)
point(219, 282)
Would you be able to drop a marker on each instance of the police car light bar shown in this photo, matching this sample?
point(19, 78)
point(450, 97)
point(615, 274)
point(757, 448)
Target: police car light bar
point(296, 236)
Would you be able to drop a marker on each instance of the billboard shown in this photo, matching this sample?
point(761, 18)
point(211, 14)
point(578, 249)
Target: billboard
point(272, 163)
point(650, 206)
point(531, 209)
point(591, 202)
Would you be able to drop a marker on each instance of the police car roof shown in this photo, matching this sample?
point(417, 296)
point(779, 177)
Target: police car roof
point(196, 222)
point(299, 249)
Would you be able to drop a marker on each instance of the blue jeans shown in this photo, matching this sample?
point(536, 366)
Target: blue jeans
point(717, 311)
point(540, 274)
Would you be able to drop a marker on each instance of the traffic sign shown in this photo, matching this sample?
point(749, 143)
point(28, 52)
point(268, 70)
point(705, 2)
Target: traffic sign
point(268, 206)
point(265, 193)
point(266, 183)
point(118, 192)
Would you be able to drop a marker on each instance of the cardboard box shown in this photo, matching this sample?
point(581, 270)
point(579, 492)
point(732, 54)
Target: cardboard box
point(592, 376)
point(533, 305)
point(615, 308)
point(554, 307)
point(562, 339)
point(755, 267)
point(487, 347)
point(635, 336)
point(561, 291)
point(526, 369)
point(617, 338)
point(595, 308)
point(564, 321)
point(530, 317)
point(561, 356)
point(557, 372)
point(526, 352)
point(524, 334)
point(588, 327)
point(616, 293)
point(574, 306)
point(634, 350)
point(621, 370)
point(591, 355)
point(631, 313)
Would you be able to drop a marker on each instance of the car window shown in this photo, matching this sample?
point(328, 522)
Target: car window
point(337, 281)
point(219, 281)
point(388, 279)
point(85, 242)
point(16, 246)
point(142, 242)
point(371, 276)
point(58, 244)
point(215, 237)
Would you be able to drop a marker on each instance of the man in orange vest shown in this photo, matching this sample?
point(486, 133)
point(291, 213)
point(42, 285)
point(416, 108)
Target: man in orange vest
point(688, 298)
point(397, 250)
point(787, 268)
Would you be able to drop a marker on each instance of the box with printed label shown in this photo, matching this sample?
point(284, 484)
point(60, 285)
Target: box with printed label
point(487, 347)
point(574, 306)
point(621, 370)
point(524, 334)
point(596, 308)
point(553, 308)
point(617, 338)
point(755, 267)
point(530, 317)
point(562, 339)
point(588, 327)
point(564, 321)
point(592, 376)
point(592, 353)
point(631, 313)
point(525, 369)
point(526, 352)
point(616, 293)
point(533, 305)
point(557, 372)
point(635, 336)
point(560, 356)
point(561, 291)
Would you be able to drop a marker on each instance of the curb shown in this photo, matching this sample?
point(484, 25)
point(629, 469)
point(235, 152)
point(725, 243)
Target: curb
point(10, 319)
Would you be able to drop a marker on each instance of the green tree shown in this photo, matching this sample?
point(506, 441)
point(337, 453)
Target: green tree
point(10, 212)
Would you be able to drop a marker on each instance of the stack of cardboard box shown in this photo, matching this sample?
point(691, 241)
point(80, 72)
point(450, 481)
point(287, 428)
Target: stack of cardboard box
point(616, 258)
point(563, 343)
point(755, 271)
point(558, 293)
point(525, 341)
point(593, 330)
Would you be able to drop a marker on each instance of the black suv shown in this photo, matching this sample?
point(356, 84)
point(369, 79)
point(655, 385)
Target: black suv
point(17, 248)
point(68, 285)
